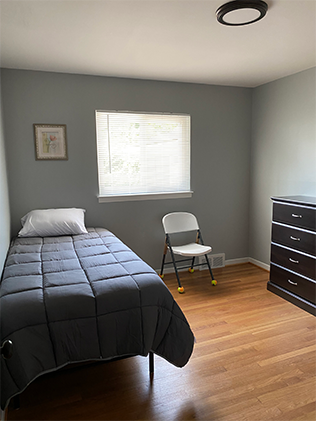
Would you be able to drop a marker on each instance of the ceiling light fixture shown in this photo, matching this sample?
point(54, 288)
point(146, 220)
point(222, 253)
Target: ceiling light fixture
point(241, 12)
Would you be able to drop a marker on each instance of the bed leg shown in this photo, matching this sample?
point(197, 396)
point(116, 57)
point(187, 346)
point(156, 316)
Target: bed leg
point(151, 363)
point(4, 414)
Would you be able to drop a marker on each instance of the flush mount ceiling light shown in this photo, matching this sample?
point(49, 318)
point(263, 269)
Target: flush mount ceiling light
point(241, 12)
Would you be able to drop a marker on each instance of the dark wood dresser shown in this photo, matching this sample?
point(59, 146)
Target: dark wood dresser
point(293, 251)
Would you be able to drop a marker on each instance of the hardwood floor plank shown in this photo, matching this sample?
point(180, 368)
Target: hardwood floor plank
point(254, 360)
point(288, 355)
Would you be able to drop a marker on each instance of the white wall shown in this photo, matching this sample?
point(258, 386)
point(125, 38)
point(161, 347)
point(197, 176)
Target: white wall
point(4, 199)
point(283, 151)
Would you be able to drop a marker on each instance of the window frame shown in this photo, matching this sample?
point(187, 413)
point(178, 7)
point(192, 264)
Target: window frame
point(103, 198)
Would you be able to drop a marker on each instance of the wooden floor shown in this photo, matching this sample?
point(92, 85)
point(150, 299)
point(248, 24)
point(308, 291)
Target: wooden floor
point(254, 359)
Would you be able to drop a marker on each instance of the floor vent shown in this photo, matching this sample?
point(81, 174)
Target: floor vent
point(216, 261)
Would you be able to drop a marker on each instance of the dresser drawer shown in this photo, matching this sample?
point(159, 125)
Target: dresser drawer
point(294, 238)
point(293, 283)
point(294, 261)
point(295, 215)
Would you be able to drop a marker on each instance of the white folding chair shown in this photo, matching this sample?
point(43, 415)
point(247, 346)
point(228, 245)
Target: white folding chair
point(180, 222)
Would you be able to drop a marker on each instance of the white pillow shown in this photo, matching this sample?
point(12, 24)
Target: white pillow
point(53, 222)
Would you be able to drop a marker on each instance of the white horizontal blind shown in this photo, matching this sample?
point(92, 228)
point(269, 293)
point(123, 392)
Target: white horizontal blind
point(142, 153)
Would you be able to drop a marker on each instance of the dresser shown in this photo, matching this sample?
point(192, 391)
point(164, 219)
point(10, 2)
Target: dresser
point(293, 251)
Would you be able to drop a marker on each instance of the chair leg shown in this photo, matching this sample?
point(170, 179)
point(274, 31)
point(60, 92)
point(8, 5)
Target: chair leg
point(206, 258)
point(180, 288)
point(163, 260)
point(191, 270)
point(209, 266)
point(175, 268)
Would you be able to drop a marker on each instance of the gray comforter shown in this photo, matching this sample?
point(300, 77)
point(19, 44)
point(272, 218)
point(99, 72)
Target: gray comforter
point(83, 297)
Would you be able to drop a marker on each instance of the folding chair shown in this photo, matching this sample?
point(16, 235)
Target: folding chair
point(180, 222)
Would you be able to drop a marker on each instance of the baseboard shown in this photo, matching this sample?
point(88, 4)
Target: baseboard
point(248, 260)
point(236, 261)
point(228, 263)
point(260, 264)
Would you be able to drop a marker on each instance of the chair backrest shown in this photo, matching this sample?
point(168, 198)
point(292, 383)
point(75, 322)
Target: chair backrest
point(179, 222)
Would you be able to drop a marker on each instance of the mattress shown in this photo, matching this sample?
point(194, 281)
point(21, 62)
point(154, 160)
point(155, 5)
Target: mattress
point(83, 297)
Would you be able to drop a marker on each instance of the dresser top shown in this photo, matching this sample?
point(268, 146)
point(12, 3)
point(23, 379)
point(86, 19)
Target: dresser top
point(300, 200)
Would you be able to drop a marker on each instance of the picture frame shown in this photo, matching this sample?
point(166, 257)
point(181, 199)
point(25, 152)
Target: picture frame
point(50, 141)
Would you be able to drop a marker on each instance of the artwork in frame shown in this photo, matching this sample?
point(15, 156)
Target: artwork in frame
point(50, 141)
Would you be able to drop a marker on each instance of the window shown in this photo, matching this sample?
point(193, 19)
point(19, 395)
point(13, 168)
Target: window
point(142, 155)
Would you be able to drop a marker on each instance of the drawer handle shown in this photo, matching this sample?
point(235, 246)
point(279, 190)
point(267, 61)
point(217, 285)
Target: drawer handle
point(295, 215)
point(295, 238)
point(291, 282)
point(293, 261)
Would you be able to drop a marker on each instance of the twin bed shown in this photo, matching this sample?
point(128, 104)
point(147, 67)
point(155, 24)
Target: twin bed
point(81, 295)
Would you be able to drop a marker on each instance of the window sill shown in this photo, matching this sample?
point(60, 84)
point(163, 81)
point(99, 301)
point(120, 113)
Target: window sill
point(147, 196)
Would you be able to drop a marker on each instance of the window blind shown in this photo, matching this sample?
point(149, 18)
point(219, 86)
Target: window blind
point(141, 153)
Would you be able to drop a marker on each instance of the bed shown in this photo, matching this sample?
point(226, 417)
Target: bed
point(82, 297)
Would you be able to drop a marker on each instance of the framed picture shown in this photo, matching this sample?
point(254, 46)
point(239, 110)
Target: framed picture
point(50, 141)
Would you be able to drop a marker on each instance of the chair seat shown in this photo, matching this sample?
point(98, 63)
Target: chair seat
point(191, 250)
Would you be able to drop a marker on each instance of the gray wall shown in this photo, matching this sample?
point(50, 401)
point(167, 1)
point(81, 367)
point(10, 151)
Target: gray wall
point(4, 199)
point(232, 189)
point(221, 130)
point(283, 151)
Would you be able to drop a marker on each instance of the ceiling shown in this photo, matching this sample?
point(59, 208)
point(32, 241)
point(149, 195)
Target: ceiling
point(174, 40)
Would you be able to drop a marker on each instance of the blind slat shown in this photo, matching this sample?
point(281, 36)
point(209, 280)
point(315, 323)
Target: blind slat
point(142, 153)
